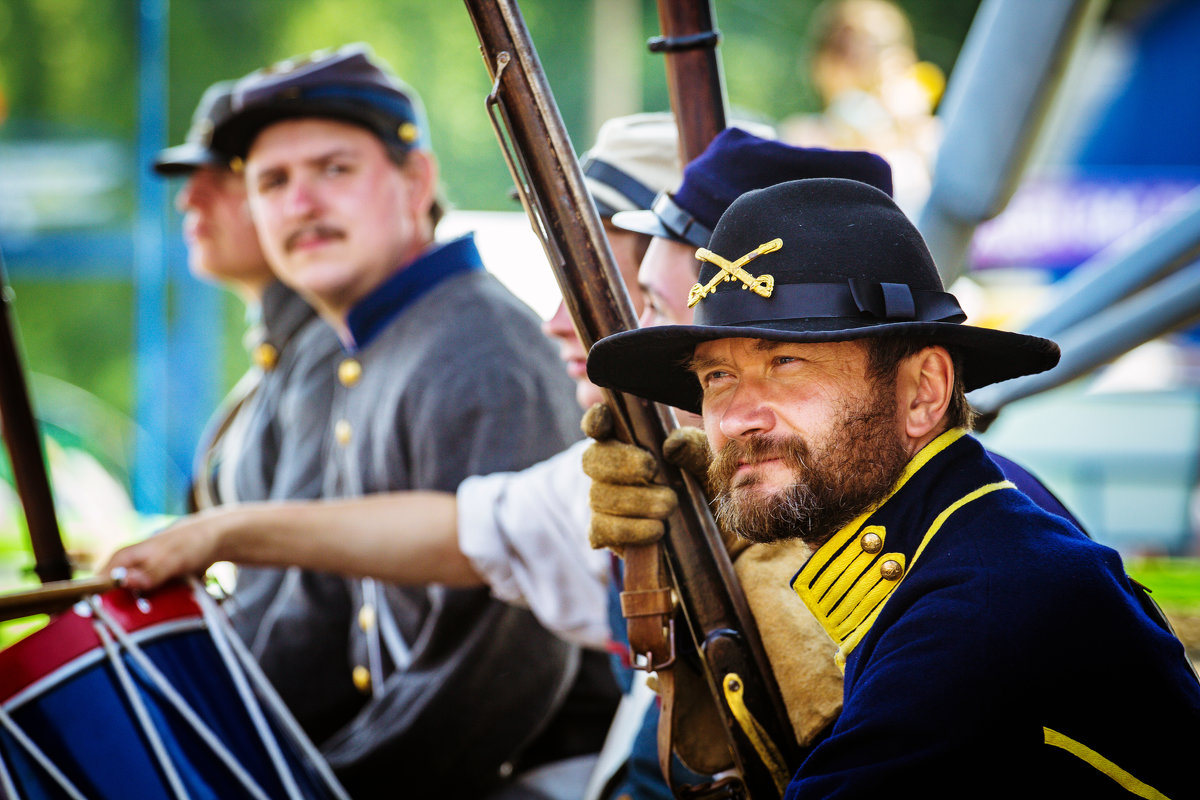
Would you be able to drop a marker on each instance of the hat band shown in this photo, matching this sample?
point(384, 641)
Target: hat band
point(679, 223)
point(854, 299)
point(619, 181)
point(385, 111)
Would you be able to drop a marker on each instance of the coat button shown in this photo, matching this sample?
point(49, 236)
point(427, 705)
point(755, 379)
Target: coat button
point(266, 356)
point(362, 678)
point(349, 371)
point(366, 618)
point(871, 543)
point(342, 432)
point(891, 570)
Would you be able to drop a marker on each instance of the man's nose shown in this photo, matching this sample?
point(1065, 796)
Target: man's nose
point(300, 200)
point(746, 413)
point(648, 318)
point(560, 325)
point(189, 194)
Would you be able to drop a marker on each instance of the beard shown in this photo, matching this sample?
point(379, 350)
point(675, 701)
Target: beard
point(833, 480)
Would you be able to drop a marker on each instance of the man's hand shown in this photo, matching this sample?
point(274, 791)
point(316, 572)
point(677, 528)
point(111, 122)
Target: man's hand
point(627, 507)
point(687, 448)
point(186, 548)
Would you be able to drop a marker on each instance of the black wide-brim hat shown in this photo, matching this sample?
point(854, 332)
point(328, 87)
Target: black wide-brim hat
point(817, 260)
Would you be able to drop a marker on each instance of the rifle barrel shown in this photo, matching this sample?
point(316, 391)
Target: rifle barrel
point(552, 188)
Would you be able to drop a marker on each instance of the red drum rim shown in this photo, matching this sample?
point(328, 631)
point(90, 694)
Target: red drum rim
point(71, 635)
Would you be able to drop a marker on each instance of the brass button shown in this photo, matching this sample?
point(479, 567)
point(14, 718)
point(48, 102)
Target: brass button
point(366, 618)
point(362, 678)
point(408, 132)
point(265, 356)
point(891, 570)
point(349, 371)
point(342, 432)
point(871, 543)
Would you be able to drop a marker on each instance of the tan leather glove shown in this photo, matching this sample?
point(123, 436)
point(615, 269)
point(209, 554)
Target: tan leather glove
point(627, 507)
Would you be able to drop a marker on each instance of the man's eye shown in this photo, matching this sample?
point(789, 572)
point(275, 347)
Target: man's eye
point(268, 182)
point(336, 169)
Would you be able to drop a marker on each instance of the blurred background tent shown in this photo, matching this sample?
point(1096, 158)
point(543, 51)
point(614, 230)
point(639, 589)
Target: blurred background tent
point(129, 354)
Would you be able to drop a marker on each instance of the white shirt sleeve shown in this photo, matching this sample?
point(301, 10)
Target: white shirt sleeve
point(526, 533)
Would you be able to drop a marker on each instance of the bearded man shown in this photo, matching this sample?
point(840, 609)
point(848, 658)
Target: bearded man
point(989, 648)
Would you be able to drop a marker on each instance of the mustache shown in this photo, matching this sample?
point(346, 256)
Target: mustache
point(792, 450)
point(317, 229)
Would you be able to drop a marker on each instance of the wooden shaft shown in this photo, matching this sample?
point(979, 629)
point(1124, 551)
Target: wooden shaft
point(50, 598)
point(24, 446)
point(694, 78)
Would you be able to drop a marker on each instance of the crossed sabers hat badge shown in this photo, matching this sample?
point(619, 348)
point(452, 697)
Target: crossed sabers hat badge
point(762, 286)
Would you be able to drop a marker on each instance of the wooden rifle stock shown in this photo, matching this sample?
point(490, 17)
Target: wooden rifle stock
point(694, 81)
point(552, 189)
point(25, 451)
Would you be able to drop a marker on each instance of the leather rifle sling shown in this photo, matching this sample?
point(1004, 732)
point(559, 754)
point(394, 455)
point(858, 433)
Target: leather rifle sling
point(647, 605)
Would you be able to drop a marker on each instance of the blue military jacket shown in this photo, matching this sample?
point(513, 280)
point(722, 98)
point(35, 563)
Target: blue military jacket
point(991, 650)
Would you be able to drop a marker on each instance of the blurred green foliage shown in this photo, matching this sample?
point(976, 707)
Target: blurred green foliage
point(1174, 583)
point(68, 67)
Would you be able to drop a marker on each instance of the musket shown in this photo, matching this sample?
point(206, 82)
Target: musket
point(694, 81)
point(25, 452)
point(706, 594)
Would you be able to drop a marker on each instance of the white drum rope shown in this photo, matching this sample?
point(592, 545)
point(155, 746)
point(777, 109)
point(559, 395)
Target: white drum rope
point(30, 747)
point(266, 692)
point(265, 733)
point(135, 699)
point(168, 692)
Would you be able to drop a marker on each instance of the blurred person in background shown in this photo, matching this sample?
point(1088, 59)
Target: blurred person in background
point(876, 94)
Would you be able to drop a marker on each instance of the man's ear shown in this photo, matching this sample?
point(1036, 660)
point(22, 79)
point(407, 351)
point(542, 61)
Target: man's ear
point(422, 170)
point(926, 382)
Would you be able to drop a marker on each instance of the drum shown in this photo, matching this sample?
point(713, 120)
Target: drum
point(148, 697)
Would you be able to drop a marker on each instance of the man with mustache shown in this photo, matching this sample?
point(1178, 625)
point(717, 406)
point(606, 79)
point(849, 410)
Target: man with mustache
point(989, 648)
point(443, 374)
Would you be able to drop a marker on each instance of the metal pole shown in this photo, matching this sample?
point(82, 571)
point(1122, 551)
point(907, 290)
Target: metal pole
point(1007, 72)
point(150, 274)
point(1166, 306)
point(1158, 248)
